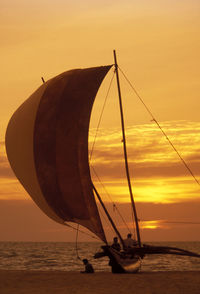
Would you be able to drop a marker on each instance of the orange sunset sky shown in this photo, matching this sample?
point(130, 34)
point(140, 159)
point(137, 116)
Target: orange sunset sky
point(158, 48)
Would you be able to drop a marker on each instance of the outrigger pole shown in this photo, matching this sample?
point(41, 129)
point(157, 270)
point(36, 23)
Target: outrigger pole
point(125, 152)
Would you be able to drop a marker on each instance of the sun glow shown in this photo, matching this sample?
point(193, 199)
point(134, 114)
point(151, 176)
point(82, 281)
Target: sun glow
point(152, 225)
point(168, 190)
point(157, 174)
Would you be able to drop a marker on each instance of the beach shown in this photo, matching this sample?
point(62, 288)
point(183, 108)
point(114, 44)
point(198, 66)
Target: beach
point(60, 282)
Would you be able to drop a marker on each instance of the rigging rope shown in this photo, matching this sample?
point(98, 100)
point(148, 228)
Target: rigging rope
point(97, 129)
point(171, 222)
point(185, 223)
point(114, 205)
point(108, 223)
point(163, 132)
point(76, 244)
point(92, 149)
point(91, 236)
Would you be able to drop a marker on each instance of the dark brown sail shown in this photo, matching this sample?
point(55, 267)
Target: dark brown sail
point(47, 146)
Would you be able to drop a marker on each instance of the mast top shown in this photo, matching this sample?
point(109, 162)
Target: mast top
point(115, 58)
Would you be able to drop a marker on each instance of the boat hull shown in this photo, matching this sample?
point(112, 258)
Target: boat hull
point(122, 262)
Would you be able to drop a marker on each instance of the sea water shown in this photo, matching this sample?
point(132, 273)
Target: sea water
point(47, 256)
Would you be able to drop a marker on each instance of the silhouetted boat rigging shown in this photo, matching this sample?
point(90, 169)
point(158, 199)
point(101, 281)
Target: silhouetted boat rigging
point(47, 147)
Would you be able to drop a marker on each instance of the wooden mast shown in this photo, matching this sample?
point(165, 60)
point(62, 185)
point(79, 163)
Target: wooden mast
point(125, 151)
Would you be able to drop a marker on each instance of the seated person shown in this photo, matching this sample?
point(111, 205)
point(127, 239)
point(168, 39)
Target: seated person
point(88, 267)
point(129, 242)
point(116, 244)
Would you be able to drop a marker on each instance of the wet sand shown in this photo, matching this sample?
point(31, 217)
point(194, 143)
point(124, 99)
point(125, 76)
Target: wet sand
point(59, 282)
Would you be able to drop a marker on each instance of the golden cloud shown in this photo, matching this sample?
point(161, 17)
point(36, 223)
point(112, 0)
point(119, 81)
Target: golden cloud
point(157, 172)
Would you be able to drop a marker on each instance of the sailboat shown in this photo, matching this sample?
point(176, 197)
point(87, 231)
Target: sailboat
point(47, 147)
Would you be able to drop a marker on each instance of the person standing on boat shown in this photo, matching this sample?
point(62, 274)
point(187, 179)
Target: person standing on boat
point(88, 267)
point(129, 242)
point(116, 244)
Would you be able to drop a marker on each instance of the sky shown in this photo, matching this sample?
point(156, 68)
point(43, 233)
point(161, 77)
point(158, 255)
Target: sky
point(158, 49)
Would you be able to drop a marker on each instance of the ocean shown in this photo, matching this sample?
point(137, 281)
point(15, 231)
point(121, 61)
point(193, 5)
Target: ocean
point(48, 256)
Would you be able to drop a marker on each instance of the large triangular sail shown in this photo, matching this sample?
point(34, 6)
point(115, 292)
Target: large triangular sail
point(47, 147)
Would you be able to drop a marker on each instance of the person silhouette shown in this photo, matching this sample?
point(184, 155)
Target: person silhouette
point(88, 267)
point(129, 242)
point(116, 244)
